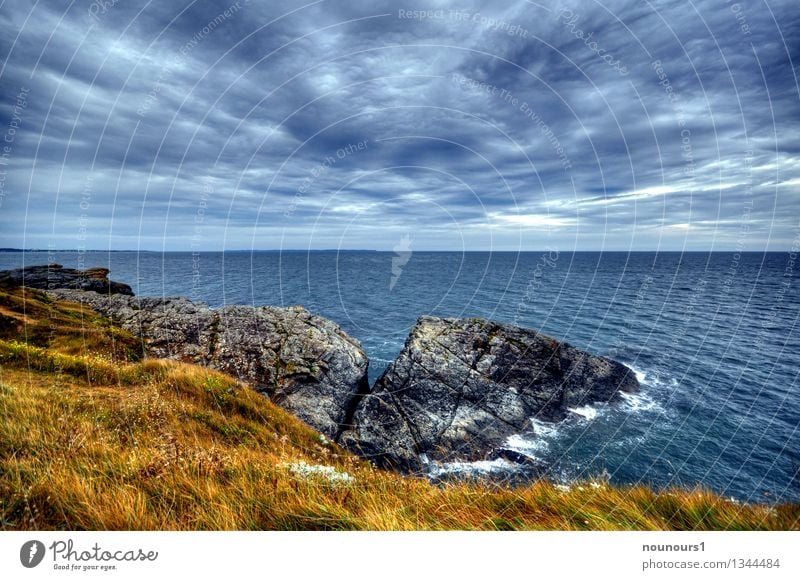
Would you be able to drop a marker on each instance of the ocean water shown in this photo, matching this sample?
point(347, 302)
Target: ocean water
point(713, 338)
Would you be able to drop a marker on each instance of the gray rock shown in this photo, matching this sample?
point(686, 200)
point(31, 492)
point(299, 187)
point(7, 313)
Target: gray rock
point(456, 392)
point(54, 276)
point(303, 362)
point(460, 388)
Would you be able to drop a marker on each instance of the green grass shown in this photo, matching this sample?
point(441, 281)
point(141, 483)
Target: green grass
point(95, 437)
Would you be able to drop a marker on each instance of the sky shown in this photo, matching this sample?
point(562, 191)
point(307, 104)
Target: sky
point(205, 126)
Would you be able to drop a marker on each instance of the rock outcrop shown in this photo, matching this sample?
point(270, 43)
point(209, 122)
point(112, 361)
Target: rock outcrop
point(303, 362)
point(56, 276)
point(461, 387)
point(456, 392)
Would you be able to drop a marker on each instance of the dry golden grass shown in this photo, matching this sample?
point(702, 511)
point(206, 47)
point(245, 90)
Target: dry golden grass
point(93, 438)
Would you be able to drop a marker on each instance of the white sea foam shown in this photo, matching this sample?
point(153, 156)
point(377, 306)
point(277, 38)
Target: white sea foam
point(642, 400)
point(587, 412)
point(531, 445)
point(486, 467)
point(544, 429)
point(536, 443)
point(528, 447)
point(653, 379)
point(640, 374)
point(638, 401)
point(518, 443)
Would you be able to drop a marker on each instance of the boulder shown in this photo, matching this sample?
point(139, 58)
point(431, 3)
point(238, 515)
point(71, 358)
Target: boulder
point(54, 276)
point(303, 362)
point(461, 387)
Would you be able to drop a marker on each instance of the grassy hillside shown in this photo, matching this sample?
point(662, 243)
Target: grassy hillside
point(93, 436)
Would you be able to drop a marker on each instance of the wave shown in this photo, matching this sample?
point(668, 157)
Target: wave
point(653, 378)
point(587, 412)
point(544, 438)
point(532, 445)
point(537, 441)
point(484, 467)
point(638, 402)
point(651, 382)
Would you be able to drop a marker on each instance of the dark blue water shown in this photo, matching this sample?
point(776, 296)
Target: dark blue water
point(713, 337)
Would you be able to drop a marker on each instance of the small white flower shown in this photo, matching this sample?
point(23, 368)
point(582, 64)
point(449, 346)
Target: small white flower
point(307, 471)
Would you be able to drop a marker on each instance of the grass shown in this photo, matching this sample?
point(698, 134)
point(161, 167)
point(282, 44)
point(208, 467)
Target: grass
point(95, 437)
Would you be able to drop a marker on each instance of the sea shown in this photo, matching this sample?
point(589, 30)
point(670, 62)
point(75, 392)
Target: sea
point(712, 337)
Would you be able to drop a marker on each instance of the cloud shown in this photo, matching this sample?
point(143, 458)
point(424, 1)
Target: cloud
point(614, 126)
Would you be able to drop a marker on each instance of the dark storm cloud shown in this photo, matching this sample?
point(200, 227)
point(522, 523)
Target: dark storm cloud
point(208, 123)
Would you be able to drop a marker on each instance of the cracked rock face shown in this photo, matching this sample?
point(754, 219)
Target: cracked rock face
point(303, 362)
point(56, 276)
point(461, 387)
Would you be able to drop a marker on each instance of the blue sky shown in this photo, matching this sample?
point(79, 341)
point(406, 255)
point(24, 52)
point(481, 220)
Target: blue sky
point(621, 125)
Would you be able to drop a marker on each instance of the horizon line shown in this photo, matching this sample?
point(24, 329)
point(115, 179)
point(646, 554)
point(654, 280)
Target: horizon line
point(331, 250)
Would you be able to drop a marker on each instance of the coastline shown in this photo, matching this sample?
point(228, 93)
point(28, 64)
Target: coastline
point(92, 418)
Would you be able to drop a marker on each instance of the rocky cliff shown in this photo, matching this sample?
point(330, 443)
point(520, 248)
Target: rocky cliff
point(304, 363)
point(461, 387)
point(457, 391)
point(56, 276)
